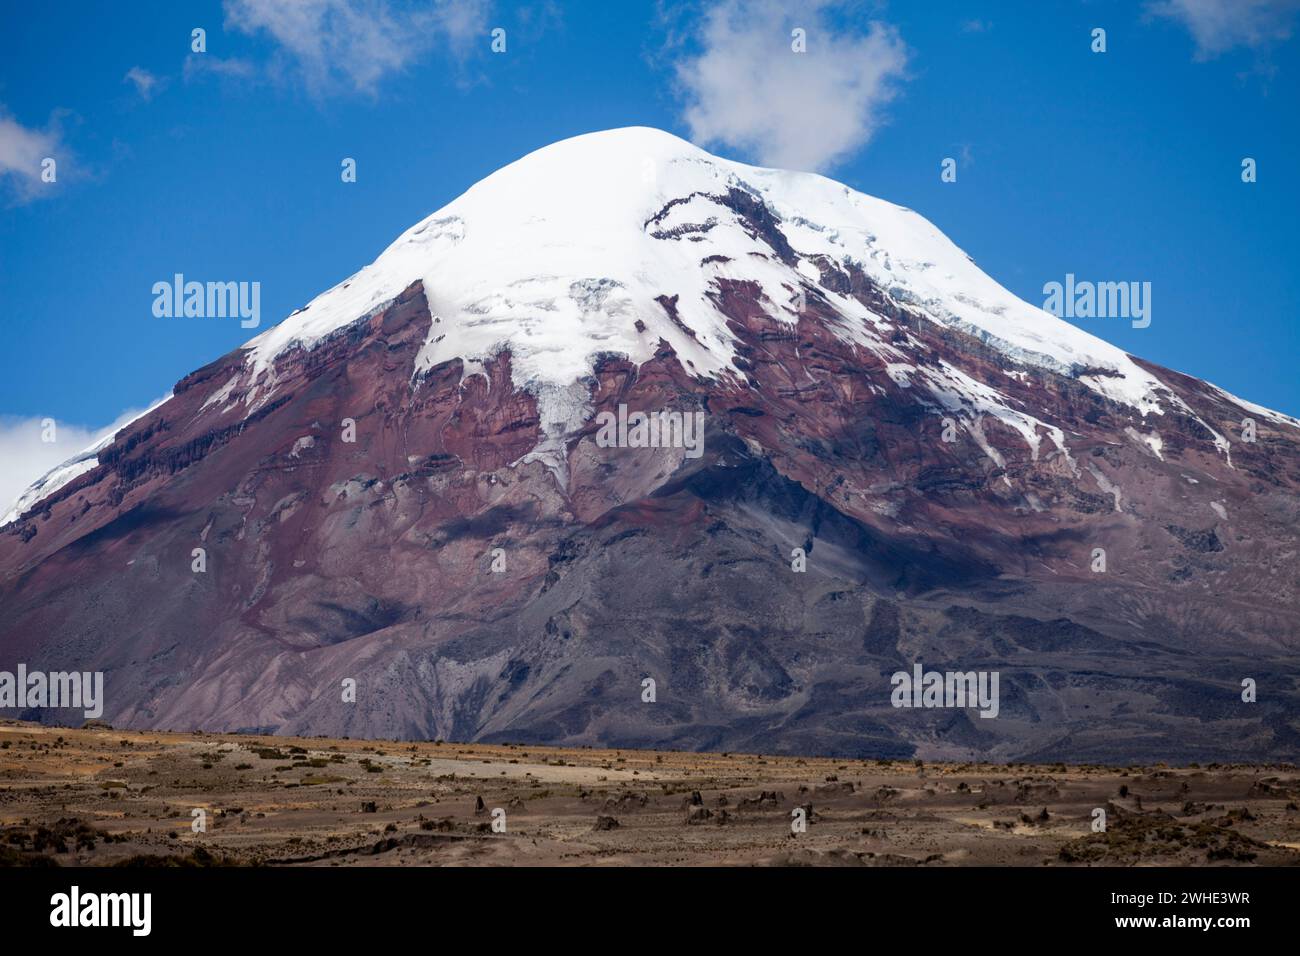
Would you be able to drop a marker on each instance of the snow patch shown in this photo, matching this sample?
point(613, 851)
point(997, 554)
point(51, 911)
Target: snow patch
point(51, 482)
point(222, 394)
point(562, 411)
point(1276, 417)
point(76, 466)
point(1153, 441)
point(1106, 485)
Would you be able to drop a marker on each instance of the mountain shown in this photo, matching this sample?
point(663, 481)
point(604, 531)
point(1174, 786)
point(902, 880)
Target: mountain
point(405, 484)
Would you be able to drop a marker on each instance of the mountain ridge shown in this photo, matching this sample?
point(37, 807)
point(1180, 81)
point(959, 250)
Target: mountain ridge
point(372, 288)
point(948, 495)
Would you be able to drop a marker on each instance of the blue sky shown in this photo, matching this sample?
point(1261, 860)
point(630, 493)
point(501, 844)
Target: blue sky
point(1123, 165)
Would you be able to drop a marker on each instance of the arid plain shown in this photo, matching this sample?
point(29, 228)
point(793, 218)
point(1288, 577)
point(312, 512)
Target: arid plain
point(98, 796)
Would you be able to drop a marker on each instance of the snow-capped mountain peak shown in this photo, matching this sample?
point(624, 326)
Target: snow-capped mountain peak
point(560, 254)
point(613, 243)
point(358, 493)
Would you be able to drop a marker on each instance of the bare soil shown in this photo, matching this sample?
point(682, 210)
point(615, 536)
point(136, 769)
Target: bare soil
point(98, 796)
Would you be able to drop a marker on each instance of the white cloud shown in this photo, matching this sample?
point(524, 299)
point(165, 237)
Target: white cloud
point(747, 89)
point(25, 457)
point(201, 64)
point(462, 22)
point(1221, 25)
point(22, 150)
point(145, 83)
point(358, 42)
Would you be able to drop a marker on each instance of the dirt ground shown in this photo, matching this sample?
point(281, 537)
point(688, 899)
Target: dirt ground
point(99, 796)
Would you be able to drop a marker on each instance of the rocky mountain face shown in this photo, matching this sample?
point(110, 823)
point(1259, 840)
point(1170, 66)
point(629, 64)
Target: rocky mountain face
point(404, 485)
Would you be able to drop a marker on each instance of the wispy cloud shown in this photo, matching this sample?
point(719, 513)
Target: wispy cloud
point(206, 64)
point(354, 44)
point(746, 88)
point(22, 151)
point(1218, 26)
point(145, 83)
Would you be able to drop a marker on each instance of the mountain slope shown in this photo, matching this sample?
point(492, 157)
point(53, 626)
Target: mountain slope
point(948, 457)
